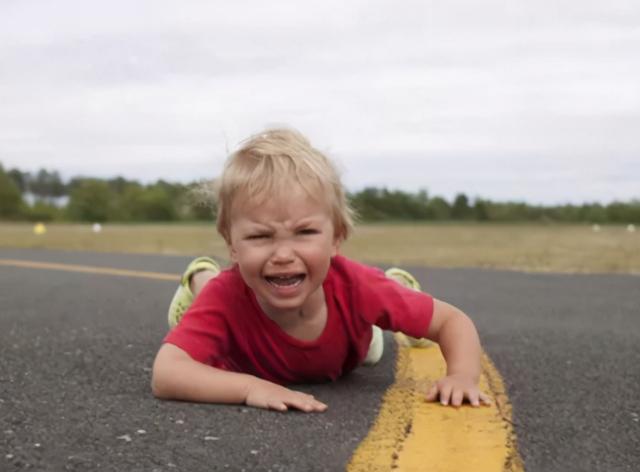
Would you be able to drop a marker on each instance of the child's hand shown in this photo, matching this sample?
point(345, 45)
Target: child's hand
point(271, 396)
point(454, 389)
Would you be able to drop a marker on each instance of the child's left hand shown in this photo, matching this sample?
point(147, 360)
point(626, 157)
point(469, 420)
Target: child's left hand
point(454, 389)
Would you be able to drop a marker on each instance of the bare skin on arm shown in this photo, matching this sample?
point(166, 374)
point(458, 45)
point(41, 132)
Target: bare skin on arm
point(458, 339)
point(177, 376)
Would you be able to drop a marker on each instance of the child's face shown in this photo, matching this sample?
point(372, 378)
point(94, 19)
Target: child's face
point(283, 249)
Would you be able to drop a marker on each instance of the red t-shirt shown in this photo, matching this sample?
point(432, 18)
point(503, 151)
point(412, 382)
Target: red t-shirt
point(226, 328)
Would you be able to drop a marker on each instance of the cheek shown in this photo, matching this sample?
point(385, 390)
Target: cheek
point(249, 258)
point(322, 254)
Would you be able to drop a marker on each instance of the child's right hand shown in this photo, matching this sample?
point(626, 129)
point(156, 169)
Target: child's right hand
point(264, 394)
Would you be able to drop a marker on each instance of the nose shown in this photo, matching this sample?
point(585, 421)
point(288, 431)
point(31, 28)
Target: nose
point(282, 254)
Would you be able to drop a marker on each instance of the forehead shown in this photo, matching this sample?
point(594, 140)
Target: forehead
point(289, 205)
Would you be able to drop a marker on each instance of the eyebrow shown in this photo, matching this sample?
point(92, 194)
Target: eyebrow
point(306, 221)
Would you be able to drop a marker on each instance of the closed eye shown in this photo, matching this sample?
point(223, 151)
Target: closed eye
point(258, 236)
point(308, 231)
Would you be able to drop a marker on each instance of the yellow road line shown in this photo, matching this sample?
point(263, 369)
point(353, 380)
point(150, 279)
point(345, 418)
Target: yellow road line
point(413, 435)
point(89, 269)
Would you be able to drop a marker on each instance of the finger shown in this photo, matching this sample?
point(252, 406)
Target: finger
point(432, 393)
point(278, 406)
point(314, 405)
point(456, 397)
point(485, 399)
point(301, 403)
point(474, 397)
point(445, 394)
point(319, 406)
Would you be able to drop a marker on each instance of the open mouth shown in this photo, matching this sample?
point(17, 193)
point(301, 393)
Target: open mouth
point(285, 280)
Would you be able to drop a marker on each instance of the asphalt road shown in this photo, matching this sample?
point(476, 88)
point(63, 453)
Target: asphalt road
point(76, 352)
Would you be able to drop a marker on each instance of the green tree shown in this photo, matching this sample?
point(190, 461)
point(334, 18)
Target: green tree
point(47, 185)
point(157, 204)
point(90, 200)
point(480, 210)
point(367, 204)
point(460, 209)
point(11, 203)
point(21, 179)
point(439, 208)
point(44, 211)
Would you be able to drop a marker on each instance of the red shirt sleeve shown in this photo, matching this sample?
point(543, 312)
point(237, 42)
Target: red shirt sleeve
point(203, 330)
point(388, 304)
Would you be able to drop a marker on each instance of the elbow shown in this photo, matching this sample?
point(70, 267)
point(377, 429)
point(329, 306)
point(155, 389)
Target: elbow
point(166, 373)
point(162, 389)
point(161, 382)
point(159, 388)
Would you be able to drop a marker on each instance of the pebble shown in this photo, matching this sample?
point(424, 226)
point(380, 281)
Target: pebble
point(253, 451)
point(141, 431)
point(179, 421)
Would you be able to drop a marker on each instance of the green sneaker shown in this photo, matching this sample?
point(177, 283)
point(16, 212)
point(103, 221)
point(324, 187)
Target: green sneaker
point(183, 297)
point(405, 278)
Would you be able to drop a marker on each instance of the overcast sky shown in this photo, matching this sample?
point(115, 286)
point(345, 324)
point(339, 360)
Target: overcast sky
point(519, 100)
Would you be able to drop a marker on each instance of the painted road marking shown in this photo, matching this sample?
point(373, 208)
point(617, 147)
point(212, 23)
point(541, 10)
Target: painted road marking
point(411, 434)
point(89, 269)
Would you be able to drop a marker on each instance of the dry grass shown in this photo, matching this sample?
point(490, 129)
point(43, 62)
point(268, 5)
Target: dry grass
point(557, 248)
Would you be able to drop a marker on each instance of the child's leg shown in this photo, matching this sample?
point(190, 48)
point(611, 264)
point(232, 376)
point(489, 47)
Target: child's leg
point(197, 274)
point(376, 348)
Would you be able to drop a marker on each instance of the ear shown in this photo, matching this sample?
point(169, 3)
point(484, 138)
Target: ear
point(335, 246)
point(233, 253)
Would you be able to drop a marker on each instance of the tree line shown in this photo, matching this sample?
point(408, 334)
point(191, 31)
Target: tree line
point(44, 196)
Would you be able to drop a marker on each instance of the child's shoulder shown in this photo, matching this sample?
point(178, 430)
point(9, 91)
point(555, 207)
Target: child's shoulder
point(228, 280)
point(347, 271)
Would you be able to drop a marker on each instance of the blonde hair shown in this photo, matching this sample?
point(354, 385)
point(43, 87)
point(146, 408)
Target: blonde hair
point(267, 164)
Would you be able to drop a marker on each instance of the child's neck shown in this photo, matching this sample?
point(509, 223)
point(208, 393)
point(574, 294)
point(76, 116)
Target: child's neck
point(306, 322)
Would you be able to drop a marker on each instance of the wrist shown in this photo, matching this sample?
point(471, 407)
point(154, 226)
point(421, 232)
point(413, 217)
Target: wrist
point(251, 383)
point(464, 371)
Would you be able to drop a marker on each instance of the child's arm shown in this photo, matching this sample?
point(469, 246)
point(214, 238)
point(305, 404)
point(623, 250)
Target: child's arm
point(460, 346)
point(177, 376)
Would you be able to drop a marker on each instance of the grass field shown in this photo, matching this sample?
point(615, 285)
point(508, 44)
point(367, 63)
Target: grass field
point(557, 248)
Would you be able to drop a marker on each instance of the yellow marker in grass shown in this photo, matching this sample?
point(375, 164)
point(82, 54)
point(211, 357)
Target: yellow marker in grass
point(39, 229)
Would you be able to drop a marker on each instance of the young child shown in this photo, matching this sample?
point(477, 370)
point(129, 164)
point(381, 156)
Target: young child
point(291, 309)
